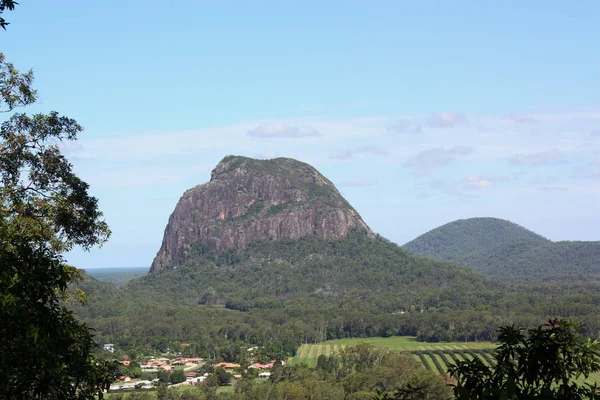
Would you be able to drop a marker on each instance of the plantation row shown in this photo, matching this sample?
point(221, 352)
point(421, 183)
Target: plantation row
point(440, 360)
point(435, 357)
point(309, 353)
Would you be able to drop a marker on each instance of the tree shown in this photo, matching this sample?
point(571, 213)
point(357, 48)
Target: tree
point(163, 376)
point(45, 211)
point(177, 376)
point(223, 376)
point(6, 5)
point(544, 364)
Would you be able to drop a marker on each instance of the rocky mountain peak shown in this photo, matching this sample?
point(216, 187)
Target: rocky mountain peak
point(249, 200)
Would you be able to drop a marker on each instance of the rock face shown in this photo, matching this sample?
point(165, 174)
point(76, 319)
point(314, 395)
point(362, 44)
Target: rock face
point(249, 200)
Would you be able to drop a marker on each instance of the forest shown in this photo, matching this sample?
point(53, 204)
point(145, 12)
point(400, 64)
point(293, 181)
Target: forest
point(501, 249)
point(273, 294)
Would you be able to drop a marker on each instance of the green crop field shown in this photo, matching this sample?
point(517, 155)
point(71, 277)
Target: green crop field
point(308, 353)
point(434, 356)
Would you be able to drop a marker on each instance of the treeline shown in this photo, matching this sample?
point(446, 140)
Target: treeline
point(278, 295)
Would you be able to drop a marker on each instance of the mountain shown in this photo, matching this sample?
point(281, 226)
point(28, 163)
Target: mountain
point(502, 249)
point(249, 200)
point(268, 253)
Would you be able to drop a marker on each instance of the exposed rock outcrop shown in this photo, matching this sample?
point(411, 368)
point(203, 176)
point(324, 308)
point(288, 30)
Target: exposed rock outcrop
point(249, 200)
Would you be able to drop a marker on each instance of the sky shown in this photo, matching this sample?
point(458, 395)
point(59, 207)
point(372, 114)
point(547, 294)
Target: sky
point(421, 112)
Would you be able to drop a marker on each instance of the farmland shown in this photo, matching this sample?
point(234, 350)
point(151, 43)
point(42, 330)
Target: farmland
point(308, 353)
point(434, 356)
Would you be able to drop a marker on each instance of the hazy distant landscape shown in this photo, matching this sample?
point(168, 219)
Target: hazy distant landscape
point(118, 276)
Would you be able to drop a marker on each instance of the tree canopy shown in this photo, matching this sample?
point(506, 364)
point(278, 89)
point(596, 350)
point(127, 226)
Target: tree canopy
point(6, 5)
point(45, 210)
point(545, 363)
point(502, 249)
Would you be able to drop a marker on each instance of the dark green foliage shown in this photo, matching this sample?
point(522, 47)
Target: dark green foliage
point(223, 377)
point(424, 362)
point(177, 376)
point(280, 294)
point(45, 210)
point(545, 363)
point(502, 249)
point(6, 5)
point(440, 369)
point(309, 265)
point(163, 376)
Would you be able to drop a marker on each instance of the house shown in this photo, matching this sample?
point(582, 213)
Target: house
point(264, 375)
point(167, 368)
point(227, 365)
point(191, 374)
point(263, 366)
point(125, 362)
point(191, 360)
point(155, 364)
point(108, 347)
point(198, 379)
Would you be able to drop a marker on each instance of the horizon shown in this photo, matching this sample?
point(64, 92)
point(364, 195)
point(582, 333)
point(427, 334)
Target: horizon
point(420, 114)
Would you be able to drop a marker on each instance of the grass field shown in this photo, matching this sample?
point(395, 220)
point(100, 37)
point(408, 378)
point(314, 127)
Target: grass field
point(308, 353)
point(434, 356)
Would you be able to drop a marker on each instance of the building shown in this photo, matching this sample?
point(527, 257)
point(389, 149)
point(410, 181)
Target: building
point(109, 347)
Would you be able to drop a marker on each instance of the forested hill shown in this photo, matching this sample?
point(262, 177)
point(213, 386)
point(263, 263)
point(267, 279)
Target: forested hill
point(505, 250)
point(272, 271)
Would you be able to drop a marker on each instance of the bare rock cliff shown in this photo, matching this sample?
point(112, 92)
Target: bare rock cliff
point(249, 200)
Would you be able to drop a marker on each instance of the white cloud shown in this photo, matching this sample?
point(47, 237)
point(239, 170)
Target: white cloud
point(482, 181)
point(551, 189)
point(283, 131)
point(403, 127)
point(349, 154)
point(446, 119)
point(437, 157)
point(540, 158)
point(521, 118)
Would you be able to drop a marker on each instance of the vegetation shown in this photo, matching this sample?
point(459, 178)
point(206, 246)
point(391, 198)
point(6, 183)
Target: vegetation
point(545, 363)
point(279, 295)
point(45, 211)
point(309, 353)
point(357, 372)
point(6, 5)
point(502, 249)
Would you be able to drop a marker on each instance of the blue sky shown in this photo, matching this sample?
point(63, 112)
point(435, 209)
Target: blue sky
point(421, 112)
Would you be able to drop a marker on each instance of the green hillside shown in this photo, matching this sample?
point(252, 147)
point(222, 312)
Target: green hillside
point(279, 294)
point(271, 271)
point(502, 249)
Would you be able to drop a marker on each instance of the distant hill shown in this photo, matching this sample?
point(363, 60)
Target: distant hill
point(119, 276)
point(505, 250)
